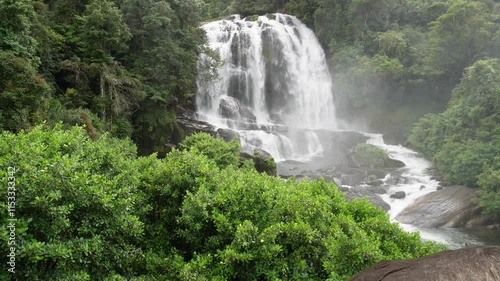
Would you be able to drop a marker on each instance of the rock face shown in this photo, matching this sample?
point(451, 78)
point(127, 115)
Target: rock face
point(370, 195)
point(398, 195)
point(231, 108)
point(452, 206)
point(468, 264)
point(227, 134)
point(261, 160)
point(188, 124)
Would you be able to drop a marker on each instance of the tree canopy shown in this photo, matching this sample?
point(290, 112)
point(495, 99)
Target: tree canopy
point(93, 210)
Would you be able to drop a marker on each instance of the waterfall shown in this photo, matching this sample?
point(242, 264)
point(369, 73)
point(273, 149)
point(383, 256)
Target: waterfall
point(273, 87)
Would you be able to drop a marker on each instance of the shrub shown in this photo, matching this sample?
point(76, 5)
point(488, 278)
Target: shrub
point(221, 152)
point(92, 210)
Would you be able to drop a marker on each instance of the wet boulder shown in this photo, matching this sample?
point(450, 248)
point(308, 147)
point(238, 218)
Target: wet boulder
point(263, 161)
point(398, 195)
point(231, 108)
point(453, 206)
point(227, 134)
point(370, 195)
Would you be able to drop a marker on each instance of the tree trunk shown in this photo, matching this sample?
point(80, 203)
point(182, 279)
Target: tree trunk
point(102, 91)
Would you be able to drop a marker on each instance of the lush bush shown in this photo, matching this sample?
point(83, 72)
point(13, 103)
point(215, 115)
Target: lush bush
point(489, 180)
point(75, 204)
point(92, 210)
point(464, 140)
point(267, 228)
point(222, 152)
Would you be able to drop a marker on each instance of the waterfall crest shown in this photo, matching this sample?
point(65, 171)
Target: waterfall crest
point(273, 84)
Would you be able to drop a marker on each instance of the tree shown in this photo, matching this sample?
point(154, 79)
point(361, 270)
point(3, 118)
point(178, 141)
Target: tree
point(77, 217)
point(489, 195)
point(303, 9)
point(164, 52)
point(123, 90)
point(15, 29)
point(93, 210)
point(22, 91)
point(251, 7)
point(103, 34)
point(461, 36)
point(392, 43)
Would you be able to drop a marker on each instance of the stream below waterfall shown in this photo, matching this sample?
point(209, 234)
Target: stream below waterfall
point(415, 180)
point(418, 182)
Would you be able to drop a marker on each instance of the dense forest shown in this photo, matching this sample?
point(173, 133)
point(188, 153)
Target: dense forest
point(124, 66)
point(108, 200)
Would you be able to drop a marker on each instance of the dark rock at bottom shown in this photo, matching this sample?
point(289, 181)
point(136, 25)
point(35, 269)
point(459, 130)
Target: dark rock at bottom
point(468, 264)
point(370, 195)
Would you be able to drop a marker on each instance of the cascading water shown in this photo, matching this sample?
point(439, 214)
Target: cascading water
point(273, 87)
point(417, 182)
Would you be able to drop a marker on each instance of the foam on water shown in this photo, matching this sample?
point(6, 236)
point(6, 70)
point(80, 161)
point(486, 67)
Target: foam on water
point(417, 182)
point(274, 68)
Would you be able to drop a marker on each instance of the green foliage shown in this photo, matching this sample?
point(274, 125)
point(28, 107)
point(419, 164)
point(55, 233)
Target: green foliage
point(117, 59)
point(92, 210)
point(464, 140)
point(428, 133)
point(216, 8)
point(251, 7)
point(22, 90)
point(392, 43)
point(102, 31)
point(75, 204)
point(461, 36)
point(221, 152)
point(489, 181)
point(303, 9)
point(264, 227)
point(16, 27)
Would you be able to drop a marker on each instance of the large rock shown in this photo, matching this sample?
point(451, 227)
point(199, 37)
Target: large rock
point(453, 206)
point(370, 195)
point(393, 163)
point(231, 108)
point(468, 264)
point(336, 146)
point(187, 122)
point(227, 134)
point(355, 178)
point(398, 195)
point(263, 161)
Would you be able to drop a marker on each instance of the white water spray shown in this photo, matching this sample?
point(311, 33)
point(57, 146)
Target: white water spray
point(415, 182)
point(274, 73)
